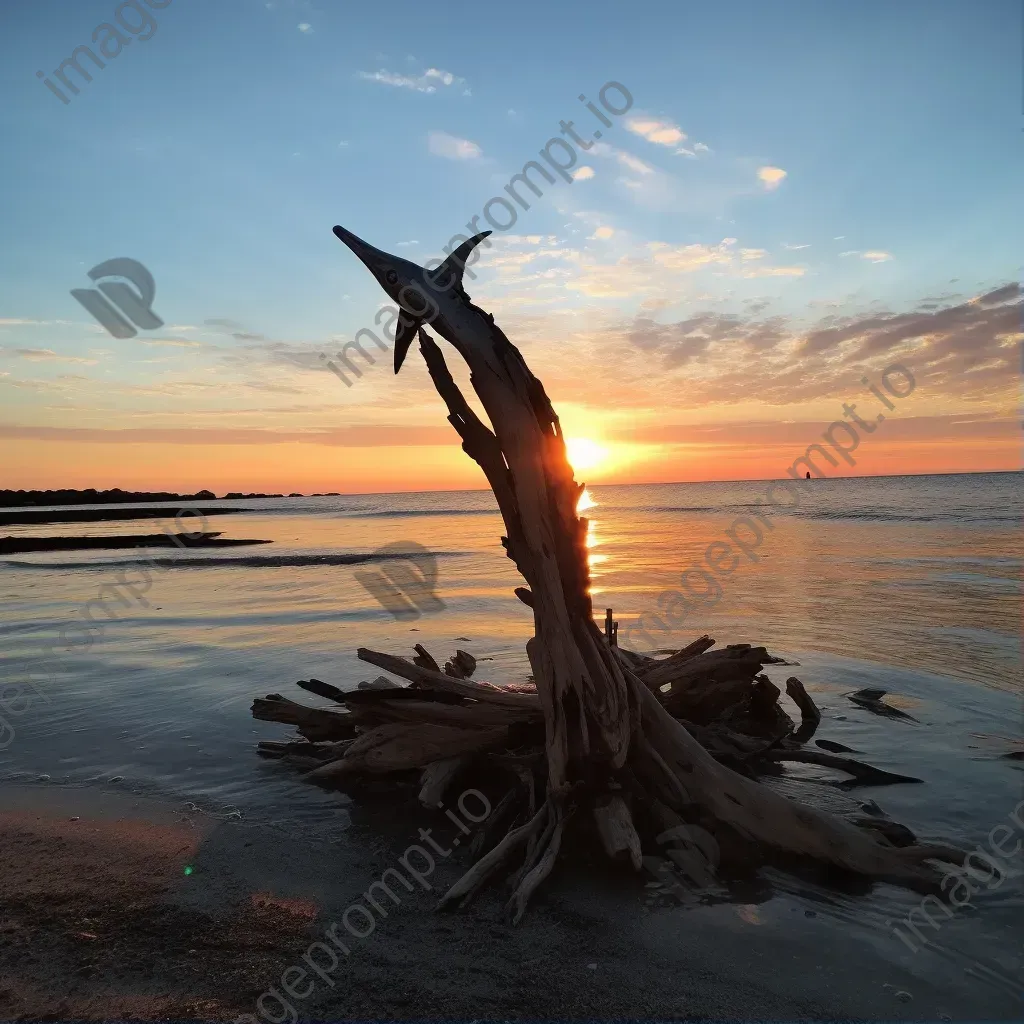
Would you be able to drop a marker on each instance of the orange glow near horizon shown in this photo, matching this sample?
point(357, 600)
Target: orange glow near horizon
point(307, 468)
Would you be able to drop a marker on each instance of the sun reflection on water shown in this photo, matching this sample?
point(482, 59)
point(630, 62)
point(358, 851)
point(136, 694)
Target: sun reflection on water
point(586, 501)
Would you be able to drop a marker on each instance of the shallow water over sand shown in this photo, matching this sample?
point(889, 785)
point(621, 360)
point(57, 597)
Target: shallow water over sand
point(911, 584)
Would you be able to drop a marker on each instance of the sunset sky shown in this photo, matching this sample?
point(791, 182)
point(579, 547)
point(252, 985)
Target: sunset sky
point(801, 195)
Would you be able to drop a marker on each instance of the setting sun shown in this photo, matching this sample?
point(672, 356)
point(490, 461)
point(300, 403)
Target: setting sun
point(584, 454)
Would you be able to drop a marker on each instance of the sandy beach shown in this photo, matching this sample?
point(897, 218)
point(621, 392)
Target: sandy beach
point(100, 921)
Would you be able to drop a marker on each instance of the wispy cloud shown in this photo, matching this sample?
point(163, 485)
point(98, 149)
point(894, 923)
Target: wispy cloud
point(872, 255)
point(46, 355)
point(171, 342)
point(774, 272)
point(634, 163)
point(452, 147)
point(22, 322)
point(429, 81)
point(583, 173)
point(305, 28)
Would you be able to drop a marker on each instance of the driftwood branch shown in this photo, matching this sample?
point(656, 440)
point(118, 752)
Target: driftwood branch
point(810, 716)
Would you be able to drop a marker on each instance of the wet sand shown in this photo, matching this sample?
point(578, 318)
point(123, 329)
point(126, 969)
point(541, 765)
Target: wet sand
point(100, 920)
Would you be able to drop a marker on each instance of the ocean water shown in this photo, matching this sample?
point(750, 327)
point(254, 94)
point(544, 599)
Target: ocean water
point(908, 583)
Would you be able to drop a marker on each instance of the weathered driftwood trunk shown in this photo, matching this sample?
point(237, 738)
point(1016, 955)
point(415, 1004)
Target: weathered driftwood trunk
point(588, 711)
point(613, 747)
point(582, 688)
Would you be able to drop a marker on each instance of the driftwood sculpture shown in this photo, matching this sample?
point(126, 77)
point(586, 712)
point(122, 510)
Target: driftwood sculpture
point(624, 747)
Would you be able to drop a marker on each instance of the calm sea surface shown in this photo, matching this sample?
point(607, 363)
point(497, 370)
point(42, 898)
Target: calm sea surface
point(909, 583)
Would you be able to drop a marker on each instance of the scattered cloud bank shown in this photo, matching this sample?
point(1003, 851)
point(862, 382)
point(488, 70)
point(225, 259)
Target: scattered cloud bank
point(968, 350)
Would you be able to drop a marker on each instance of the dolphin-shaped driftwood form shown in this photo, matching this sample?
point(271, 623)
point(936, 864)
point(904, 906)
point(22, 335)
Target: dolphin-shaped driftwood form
point(607, 733)
point(432, 296)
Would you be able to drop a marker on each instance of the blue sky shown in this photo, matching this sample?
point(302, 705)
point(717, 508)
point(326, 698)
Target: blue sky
point(220, 151)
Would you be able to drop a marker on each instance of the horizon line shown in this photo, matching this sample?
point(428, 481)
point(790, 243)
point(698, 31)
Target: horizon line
point(469, 490)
